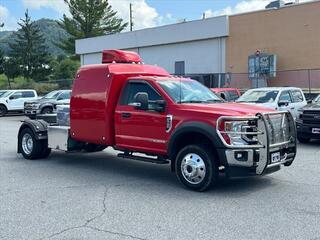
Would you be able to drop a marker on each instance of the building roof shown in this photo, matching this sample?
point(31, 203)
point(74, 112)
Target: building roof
point(174, 33)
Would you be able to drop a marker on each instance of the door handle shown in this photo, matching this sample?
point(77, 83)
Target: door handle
point(125, 115)
point(292, 108)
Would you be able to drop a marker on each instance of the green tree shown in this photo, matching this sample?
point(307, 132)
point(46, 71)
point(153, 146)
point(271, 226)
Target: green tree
point(11, 69)
point(64, 71)
point(89, 18)
point(30, 52)
point(2, 59)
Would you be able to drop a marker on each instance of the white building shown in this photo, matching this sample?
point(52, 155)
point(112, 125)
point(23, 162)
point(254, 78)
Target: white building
point(195, 47)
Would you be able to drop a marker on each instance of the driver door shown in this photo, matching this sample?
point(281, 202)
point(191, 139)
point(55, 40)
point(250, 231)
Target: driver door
point(15, 101)
point(140, 130)
point(285, 96)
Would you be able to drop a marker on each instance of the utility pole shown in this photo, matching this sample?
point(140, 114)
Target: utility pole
point(204, 15)
point(131, 23)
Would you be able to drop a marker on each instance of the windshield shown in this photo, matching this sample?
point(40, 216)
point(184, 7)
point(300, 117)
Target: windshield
point(258, 96)
point(53, 94)
point(6, 94)
point(317, 99)
point(188, 91)
point(2, 92)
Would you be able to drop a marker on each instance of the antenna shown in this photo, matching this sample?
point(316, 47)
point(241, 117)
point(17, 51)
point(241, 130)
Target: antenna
point(131, 22)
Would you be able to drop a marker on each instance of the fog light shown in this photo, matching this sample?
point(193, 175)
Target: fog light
point(241, 156)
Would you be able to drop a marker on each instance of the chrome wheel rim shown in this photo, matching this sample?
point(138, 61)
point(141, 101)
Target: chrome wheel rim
point(27, 143)
point(193, 168)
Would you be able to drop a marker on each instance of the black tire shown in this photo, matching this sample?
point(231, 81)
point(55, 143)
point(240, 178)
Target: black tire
point(3, 110)
point(303, 139)
point(90, 147)
point(45, 150)
point(46, 110)
point(206, 176)
point(33, 152)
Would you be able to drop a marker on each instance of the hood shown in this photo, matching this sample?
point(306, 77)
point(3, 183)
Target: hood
point(226, 109)
point(312, 106)
point(41, 100)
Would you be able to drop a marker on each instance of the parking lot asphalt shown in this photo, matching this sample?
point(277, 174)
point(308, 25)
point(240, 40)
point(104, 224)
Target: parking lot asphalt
point(98, 196)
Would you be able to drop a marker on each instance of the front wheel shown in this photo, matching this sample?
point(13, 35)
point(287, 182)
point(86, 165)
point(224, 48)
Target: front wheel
point(3, 110)
point(196, 167)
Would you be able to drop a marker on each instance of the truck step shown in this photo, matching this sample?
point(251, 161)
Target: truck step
point(158, 160)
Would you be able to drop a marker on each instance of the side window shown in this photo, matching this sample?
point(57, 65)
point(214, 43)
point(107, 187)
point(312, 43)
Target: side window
point(297, 96)
point(28, 94)
point(285, 96)
point(132, 88)
point(16, 95)
point(233, 95)
point(224, 95)
point(65, 95)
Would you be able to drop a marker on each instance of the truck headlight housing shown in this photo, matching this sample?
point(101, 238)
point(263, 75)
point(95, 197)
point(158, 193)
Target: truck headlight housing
point(239, 132)
point(300, 113)
point(35, 105)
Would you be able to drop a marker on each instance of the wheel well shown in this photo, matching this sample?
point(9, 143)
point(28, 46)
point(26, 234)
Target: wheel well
point(190, 138)
point(46, 107)
point(1, 104)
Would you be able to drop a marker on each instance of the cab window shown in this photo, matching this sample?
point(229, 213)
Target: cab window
point(285, 96)
point(16, 95)
point(64, 95)
point(132, 88)
point(297, 96)
point(28, 94)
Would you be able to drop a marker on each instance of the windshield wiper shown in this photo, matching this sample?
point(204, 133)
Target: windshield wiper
point(191, 101)
point(214, 100)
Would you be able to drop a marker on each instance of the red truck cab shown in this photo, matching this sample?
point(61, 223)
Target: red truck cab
point(137, 108)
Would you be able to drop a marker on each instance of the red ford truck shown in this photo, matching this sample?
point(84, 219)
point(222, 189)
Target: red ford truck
point(151, 116)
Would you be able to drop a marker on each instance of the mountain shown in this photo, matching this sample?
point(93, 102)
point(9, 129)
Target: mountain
point(51, 31)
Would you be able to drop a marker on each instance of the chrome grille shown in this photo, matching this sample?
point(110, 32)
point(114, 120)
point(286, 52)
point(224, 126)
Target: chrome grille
point(278, 127)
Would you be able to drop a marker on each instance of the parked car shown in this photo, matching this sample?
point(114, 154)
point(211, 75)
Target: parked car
point(141, 109)
point(308, 121)
point(278, 98)
point(228, 94)
point(13, 100)
point(46, 104)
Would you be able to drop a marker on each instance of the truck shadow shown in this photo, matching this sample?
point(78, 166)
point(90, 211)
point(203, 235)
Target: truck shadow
point(107, 166)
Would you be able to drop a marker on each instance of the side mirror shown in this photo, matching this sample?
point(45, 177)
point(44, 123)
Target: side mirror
point(309, 101)
point(159, 105)
point(283, 103)
point(141, 101)
point(11, 97)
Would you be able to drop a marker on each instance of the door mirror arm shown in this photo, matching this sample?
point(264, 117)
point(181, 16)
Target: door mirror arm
point(283, 103)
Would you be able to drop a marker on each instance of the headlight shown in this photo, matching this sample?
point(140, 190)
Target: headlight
point(236, 132)
point(35, 106)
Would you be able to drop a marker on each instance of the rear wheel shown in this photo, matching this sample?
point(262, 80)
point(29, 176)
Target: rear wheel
point(31, 148)
point(3, 110)
point(303, 139)
point(196, 167)
point(90, 147)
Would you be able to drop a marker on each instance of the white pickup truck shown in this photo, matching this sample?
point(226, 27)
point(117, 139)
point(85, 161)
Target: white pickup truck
point(13, 100)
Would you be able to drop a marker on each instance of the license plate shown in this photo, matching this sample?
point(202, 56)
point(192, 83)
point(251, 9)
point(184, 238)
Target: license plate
point(275, 157)
point(316, 130)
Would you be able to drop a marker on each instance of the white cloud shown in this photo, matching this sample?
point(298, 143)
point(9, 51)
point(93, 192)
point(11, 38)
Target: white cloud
point(243, 6)
point(144, 16)
point(57, 5)
point(10, 23)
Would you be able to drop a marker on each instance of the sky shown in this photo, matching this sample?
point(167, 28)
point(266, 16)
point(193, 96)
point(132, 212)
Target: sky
point(146, 13)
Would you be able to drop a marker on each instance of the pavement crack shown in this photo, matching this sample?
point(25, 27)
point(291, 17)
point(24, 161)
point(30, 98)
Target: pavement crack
point(61, 232)
point(104, 209)
point(116, 233)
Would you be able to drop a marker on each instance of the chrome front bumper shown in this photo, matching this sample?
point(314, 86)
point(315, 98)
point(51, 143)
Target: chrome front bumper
point(258, 156)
